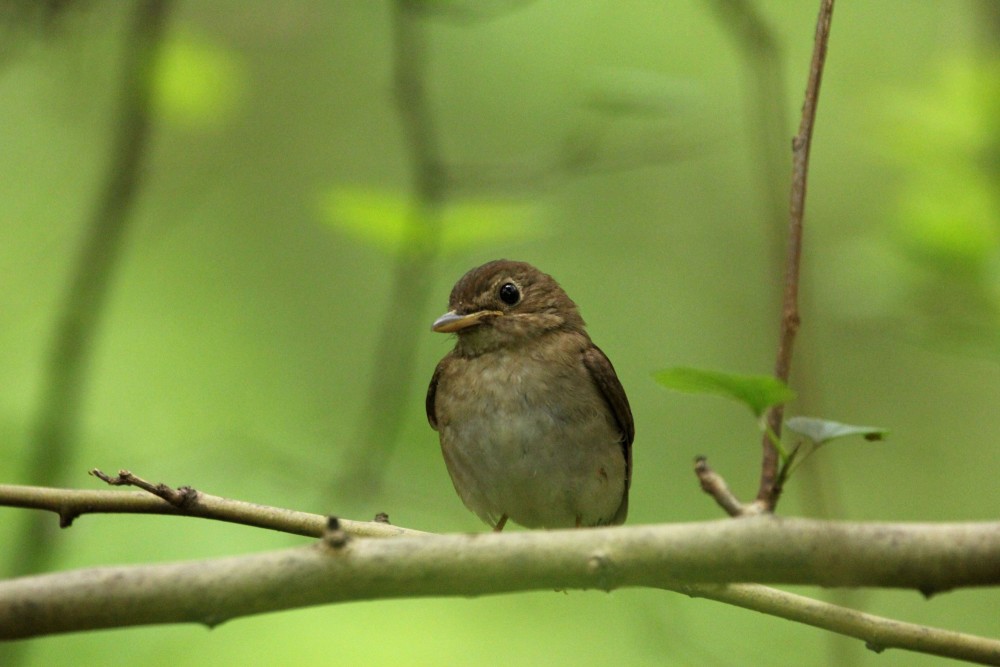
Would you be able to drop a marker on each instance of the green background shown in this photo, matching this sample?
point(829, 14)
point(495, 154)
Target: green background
point(243, 327)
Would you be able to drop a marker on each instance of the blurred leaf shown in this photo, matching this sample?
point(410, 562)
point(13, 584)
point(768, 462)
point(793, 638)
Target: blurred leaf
point(946, 223)
point(757, 392)
point(471, 10)
point(197, 83)
point(944, 135)
point(622, 91)
point(949, 221)
point(952, 117)
point(391, 222)
point(821, 431)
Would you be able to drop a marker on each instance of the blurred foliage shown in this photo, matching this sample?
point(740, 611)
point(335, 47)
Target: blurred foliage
point(949, 207)
point(242, 326)
point(619, 92)
point(385, 220)
point(198, 84)
point(945, 231)
point(27, 19)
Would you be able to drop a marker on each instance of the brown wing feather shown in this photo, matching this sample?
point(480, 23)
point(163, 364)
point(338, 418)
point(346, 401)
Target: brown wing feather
point(604, 376)
point(432, 395)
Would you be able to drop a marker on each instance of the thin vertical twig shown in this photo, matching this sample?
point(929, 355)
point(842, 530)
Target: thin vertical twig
point(768, 492)
point(761, 56)
point(395, 352)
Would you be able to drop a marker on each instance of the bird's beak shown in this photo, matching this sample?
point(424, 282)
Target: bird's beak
point(451, 321)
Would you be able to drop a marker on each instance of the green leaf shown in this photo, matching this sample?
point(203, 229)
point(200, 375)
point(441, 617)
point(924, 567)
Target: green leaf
point(394, 223)
point(757, 392)
point(821, 431)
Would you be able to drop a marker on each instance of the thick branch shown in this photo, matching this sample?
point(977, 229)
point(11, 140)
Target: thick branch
point(879, 633)
point(927, 557)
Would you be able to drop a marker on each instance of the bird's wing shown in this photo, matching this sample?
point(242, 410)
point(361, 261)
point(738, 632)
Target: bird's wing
point(432, 394)
point(603, 374)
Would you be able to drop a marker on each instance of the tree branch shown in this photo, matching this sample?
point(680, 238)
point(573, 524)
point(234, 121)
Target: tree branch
point(927, 557)
point(714, 485)
point(877, 632)
point(72, 503)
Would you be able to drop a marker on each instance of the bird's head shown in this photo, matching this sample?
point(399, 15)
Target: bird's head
point(503, 304)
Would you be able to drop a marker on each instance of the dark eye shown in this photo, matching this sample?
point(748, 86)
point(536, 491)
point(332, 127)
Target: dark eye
point(509, 294)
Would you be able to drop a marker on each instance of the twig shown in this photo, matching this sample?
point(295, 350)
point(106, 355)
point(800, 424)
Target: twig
point(761, 56)
point(178, 497)
point(878, 633)
point(714, 485)
point(768, 492)
point(72, 503)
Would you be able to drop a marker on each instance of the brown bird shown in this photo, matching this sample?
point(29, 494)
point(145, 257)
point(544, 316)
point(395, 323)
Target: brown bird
point(534, 425)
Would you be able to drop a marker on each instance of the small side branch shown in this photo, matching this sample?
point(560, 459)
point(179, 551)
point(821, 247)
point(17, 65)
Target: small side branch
point(877, 632)
point(714, 485)
point(72, 503)
point(178, 497)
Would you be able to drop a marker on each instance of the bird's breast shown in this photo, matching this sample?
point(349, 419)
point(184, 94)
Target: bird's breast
point(526, 432)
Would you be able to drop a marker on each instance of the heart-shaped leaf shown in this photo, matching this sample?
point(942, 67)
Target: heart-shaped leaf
point(821, 431)
point(757, 392)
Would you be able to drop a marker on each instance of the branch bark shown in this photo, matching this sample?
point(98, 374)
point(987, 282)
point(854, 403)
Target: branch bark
point(927, 557)
point(72, 503)
point(877, 632)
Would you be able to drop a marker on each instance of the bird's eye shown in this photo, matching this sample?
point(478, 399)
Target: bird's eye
point(509, 294)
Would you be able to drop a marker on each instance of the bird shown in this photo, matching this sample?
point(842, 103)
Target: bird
point(534, 424)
